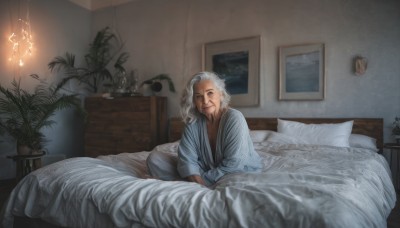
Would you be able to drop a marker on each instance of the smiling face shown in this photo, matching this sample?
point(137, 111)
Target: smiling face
point(207, 98)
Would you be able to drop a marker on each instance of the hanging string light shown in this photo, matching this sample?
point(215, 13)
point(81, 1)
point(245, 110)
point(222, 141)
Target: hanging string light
point(21, 39)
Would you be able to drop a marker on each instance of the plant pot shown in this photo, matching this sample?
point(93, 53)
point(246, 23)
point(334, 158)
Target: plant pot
point(156, 87)
point(25, 150)
point(146, 90)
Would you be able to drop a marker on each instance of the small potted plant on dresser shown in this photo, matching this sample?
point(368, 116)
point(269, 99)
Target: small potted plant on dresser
point(104, 55)
point(396, 129)
point(154, 85)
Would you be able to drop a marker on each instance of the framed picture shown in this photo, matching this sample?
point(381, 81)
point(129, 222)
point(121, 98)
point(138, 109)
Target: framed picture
point(301, 72)
point(238, 63)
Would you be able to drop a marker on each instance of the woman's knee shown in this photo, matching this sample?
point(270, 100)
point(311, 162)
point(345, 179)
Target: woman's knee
point(162, 165)
point(155, 157)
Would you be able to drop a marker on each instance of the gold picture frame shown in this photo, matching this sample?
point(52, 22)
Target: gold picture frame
point(302, 72)
point(238, 63)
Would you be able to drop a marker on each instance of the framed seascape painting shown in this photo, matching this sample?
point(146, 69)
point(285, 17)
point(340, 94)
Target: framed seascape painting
point(238, 63)
point(301, 72)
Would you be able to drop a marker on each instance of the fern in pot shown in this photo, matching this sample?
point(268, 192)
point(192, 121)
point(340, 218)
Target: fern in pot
point(23, 114)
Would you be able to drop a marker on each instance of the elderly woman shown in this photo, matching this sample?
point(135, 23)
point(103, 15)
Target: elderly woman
point(216, 138)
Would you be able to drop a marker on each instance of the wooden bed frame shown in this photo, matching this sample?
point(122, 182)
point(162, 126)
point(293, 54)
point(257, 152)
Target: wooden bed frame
point(372, 127)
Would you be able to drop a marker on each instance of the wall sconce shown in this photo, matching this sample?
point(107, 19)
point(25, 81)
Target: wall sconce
point(21, 39)
point(360, 65)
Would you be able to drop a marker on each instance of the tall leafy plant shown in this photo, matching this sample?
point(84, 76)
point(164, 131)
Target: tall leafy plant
point(104, 51)
point(23, 114)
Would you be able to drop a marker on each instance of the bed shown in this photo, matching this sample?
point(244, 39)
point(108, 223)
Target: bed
point(301, 185)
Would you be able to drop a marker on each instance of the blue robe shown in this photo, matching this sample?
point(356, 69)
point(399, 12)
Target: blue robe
point(234, 150)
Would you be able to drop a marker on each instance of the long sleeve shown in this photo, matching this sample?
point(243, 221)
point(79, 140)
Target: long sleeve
point(188, 152)
point(234, 149)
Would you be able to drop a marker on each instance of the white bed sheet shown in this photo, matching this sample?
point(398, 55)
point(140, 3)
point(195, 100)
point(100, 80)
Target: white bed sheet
point(300, 186)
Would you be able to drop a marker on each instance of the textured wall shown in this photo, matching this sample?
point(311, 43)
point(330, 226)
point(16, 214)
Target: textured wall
point(167, 37)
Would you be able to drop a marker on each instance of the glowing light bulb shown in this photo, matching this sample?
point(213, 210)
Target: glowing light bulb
point(22, 43)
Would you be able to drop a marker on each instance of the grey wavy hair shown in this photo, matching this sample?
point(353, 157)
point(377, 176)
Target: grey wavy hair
point(189, 112)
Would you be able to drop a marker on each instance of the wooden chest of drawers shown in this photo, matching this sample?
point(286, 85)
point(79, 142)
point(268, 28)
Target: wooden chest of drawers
point(124, 124)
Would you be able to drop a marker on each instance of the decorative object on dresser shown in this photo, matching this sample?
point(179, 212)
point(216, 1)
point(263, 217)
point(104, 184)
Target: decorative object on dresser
point(124, 124)
point(396, 129)
point(154, 85)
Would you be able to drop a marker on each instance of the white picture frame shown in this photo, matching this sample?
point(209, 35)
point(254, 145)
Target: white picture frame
point(238, 63)
point(302, 72)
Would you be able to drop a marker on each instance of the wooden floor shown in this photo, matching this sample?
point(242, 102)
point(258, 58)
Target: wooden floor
point(394, 217)
point(6, 187)
point(392, 222)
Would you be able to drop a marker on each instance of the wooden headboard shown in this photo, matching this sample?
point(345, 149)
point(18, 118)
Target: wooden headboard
point(372, 127)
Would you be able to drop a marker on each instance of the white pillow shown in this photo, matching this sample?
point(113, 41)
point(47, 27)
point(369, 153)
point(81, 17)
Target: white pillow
point(284, 139)
point(259, 135)
point(362, 141)
point(318, 134)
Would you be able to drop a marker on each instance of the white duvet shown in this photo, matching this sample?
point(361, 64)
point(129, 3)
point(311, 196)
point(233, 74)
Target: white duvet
point(300, 186)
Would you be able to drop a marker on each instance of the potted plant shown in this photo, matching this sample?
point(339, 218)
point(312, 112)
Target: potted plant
point(155, 85)
point(24, 114)
point(105, 50)
point(396, 129)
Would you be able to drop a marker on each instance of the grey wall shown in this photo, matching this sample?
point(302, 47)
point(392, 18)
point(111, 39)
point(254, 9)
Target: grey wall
point(167, 37)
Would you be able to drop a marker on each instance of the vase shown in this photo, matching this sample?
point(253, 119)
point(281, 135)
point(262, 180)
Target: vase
point(25, 150)
point(121, 83)
point(146, 90)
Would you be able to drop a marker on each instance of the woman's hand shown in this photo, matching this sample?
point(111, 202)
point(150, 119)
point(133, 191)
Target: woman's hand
point(197, 179)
